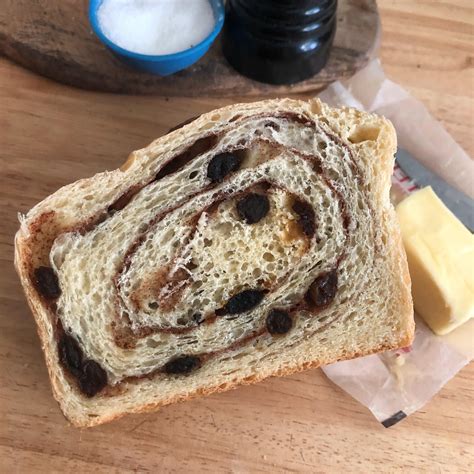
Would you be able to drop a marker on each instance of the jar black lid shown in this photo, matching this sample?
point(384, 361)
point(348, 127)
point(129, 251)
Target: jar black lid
point(279, 41)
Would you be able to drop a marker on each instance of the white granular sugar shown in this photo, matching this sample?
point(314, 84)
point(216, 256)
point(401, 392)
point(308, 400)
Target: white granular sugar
point(156, 26)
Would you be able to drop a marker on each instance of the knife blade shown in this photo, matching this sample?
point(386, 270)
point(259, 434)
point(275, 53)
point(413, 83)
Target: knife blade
point(461, 205)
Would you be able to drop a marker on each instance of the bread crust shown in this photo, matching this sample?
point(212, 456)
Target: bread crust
point(319, 111)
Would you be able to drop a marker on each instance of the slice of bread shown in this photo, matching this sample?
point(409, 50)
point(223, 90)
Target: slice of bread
point(257, 240)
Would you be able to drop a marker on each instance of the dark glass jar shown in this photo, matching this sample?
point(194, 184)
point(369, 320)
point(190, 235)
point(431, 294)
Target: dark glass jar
point(279, 41)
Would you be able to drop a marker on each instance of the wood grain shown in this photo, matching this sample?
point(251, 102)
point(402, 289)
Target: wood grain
point(54, 38)
point(51, 134)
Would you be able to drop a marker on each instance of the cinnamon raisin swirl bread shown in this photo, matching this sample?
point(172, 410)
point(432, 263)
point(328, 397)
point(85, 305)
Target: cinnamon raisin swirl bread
point(257, 240)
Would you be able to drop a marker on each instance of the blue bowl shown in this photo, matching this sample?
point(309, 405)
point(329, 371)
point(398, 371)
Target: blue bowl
point(165, 64)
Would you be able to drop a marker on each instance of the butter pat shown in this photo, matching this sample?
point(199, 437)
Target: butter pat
point(440, 252)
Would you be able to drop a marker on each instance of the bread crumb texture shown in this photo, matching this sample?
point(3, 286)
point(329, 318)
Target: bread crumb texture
point(170, 266)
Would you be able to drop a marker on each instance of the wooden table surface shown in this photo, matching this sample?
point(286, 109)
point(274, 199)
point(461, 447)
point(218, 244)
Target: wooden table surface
point(51, 135)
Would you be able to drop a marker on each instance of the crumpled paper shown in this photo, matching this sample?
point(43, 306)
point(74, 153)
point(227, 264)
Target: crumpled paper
point(395, 384)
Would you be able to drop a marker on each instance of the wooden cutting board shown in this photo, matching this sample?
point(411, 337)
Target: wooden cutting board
point(54, 38)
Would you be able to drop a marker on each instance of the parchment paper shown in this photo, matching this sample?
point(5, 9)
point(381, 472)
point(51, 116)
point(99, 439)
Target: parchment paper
point(395, 384)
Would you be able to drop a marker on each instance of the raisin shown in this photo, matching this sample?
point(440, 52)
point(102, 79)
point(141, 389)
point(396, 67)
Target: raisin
point(197, 318)
point(199, 147)
point(70, 354)
point(182, 365)
point(323, 290)
point(242, 302)
point(253, 207)
point(306, 217)
point(46, 282)
point(91, 376)
point(278, 322)
point(221, 165)
point(92, 379)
